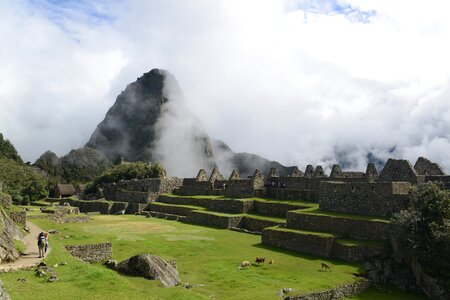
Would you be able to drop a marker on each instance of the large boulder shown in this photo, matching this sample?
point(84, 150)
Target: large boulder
point(150, 267)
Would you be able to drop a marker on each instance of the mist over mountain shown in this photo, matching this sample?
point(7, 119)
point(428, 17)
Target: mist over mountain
point(150, 121)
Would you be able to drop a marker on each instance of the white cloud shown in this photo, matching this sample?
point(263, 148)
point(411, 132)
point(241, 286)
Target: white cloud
point(292, 82)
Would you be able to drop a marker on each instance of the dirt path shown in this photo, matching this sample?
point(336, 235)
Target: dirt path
point(31, 258)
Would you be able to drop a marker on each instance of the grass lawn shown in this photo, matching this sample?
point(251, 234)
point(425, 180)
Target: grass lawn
point(206, 256)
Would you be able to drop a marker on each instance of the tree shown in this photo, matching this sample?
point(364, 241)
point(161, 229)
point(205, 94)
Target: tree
point(22, 182)
point(7, 150)
point(424, 229)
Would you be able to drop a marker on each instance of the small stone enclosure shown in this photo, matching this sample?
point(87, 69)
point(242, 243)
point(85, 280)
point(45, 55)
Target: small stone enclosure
point(91, 253)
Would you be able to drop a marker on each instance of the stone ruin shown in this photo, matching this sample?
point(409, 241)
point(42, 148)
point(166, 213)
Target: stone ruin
point(235, 186)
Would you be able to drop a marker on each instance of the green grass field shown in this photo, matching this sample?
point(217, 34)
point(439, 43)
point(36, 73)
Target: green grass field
point(206, 257)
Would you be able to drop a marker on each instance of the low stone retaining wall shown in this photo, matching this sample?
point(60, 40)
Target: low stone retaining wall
point(339, 292)
point(353, 228)
point(273, 209)
point(292, 194)
point(170, 209)
point(230, 206)
point(354, 253)
point(301, 242)
point(91, 206)
point(104, 207)
point(184, 201)
point(63, 220)
point(91, 253)
point(211, 219)
point(18, 217)
point(256, 225)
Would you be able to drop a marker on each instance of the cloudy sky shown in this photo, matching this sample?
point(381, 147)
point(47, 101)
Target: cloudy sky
point(295, 81)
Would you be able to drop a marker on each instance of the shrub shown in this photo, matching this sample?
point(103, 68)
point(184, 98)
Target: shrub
point(424, 229)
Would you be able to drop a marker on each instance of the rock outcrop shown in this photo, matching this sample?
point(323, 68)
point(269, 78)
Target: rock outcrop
point(8, 233)
point(150, 267)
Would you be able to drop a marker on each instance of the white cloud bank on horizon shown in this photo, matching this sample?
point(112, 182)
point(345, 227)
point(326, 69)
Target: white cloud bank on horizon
point(294, 81)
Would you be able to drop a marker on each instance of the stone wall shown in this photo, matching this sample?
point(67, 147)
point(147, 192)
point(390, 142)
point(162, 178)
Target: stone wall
point(256, 225)
point(213, 219)
point(373, 199)
point(242, 188)
point(103, 207)
point(273, 209)
point(354, 253)
point(195, 188)
point(339, 292)
point(347, 226)
point(291, 194)
point(140, 190)
point(184, 201)
point(321, 245)
point(91, 253)
point(19, 217)
point(170, 209)
point(444, 180)
point(398, 170)
point(62, 219)
point(324, 245)
point(424, 166)
point(230, 206)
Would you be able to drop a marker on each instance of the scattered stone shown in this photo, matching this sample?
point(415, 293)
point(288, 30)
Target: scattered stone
point(111, 263)
point(150, 267)
point(43, 270)
point(53, 231)
point(55, 265)
point(63, 263)
point(22, 280)
point(26, 229)
point(282, 293)
point(53, 278)
point(40, 273)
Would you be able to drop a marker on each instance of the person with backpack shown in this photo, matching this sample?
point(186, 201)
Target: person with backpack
point(41, 244)
point(46, 242)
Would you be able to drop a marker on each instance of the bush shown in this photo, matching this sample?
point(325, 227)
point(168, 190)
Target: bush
point(22, 182)
point(131, 170)
point(424, 229)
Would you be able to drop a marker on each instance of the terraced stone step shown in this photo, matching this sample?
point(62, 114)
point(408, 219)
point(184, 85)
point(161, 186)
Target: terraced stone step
point(160, 215)
point(267, 207)
point(180, 210)
point(215, 219)
point(352, 226)
point(323, 244)
point(250, 222)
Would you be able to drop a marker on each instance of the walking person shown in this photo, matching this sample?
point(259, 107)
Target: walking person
point(41, 244)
